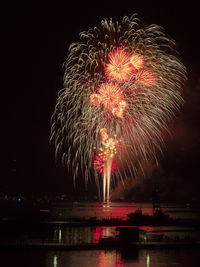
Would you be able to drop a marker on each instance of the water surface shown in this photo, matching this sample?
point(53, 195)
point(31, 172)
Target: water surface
point(100, 258)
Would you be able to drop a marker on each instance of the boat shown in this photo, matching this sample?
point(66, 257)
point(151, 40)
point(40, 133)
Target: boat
point(158, 217)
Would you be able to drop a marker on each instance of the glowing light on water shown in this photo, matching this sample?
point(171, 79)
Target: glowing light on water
point(55, 261)
point(148, 260)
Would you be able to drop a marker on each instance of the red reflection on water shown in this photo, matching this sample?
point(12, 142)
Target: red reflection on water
point(147, 228)
point(97, 234)
point(103, 232)
point(118, 210)
point(98, 204)
point(109, 259)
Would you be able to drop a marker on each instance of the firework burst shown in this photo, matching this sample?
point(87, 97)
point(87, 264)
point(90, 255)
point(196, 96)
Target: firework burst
point(111, 97)
point(119, 67)
point(122, 77)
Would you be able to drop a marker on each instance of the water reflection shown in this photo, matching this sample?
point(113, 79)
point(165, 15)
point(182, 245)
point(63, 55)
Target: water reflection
point(103, 231)
point(148, 260)
point(113, 258)
point(82, 235)
point(109, 258)
point(84, 259)
point(55, 261)
point(101, 258)
point(118, 210)
point(73, 235)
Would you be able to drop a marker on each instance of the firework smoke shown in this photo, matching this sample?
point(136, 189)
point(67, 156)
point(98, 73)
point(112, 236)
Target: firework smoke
point(122, 77)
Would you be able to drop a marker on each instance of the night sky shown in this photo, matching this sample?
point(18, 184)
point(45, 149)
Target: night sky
point(34, 44)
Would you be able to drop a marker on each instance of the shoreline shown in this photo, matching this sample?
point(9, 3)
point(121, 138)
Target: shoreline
point(100, 246)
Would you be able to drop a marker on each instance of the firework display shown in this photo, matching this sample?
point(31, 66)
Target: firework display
point(104, 161)
point(122, 85)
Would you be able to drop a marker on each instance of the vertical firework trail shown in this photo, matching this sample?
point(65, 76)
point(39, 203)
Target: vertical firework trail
point(104, 162)
point(122, 85)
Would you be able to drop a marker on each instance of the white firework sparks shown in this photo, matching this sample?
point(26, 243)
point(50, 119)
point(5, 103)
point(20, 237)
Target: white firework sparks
point(140, 63)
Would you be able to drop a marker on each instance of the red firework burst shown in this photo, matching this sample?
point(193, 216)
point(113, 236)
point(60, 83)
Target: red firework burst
point(99, 162)
point(119, 67)
point(111, 97)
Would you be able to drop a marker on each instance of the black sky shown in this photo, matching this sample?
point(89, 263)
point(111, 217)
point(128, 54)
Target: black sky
point(35, 39)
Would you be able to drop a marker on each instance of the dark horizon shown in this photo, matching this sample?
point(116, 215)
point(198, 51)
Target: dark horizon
point(36, 37)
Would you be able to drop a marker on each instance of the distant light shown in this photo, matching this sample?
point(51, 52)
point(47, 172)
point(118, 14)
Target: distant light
point(19, 200)
point(60, 235)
